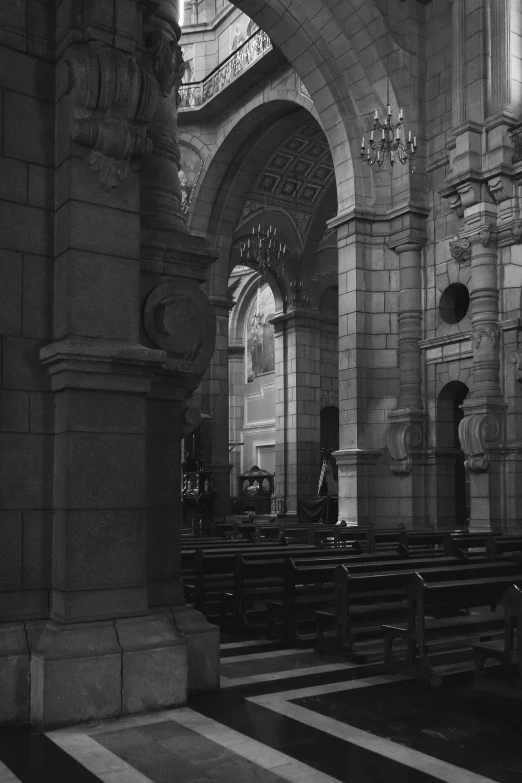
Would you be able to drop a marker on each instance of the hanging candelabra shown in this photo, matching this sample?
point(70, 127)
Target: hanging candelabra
point(263, 251)
point(386, 142)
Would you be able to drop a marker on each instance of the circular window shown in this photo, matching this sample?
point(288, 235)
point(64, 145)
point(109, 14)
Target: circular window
point(454, 303)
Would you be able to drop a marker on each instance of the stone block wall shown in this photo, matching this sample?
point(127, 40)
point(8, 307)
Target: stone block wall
point(26, 316)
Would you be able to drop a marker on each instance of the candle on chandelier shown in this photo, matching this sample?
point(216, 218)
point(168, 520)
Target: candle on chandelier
point(375, 115)
point(400, 114)
point(371, 136)
point(362, 144)
point(389, 111)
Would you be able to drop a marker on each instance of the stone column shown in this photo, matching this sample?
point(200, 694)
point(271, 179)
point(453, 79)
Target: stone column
point(178, 318)
point(102, 653)
point(298, 392)
point(236, 371)
point(483, 410)
point(218, 402)
point(406, 433)
point(355, 458)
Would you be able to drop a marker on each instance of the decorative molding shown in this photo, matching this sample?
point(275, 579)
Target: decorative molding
point(114, 100)
point(481, 331)
point(460, 249)
point(475, 432)
point(516, 358)
point(179, 318)
point(401, 438)
point(329, 399)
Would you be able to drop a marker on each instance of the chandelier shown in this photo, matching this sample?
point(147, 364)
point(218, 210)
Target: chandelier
point(386, 142)
point(263, 251)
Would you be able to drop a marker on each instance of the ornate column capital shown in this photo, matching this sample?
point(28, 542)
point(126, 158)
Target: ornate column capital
point(114, 101)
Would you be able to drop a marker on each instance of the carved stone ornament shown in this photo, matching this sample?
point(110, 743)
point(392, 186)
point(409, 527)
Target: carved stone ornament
point(500, 188)
point(115, 99)
point(481, 332)
point(191, 420)
point(516, 359)
point(475, 432)
point(329, 399)
point(460, 249)
point(179, 318)
point(167, 60)
point(402, 436)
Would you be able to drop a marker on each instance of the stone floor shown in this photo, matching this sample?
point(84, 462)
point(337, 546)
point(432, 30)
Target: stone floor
point(289, 715)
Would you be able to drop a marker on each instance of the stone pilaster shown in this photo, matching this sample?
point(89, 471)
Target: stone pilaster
point(298, 391)
point(236, 370)
point(481, 427)
point(405, 435)
point(102, 653)
point(178, 318)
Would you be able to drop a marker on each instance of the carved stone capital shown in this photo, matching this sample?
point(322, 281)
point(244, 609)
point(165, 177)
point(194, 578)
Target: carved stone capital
point(114, 100)
point(460, 249)
point(475, 432)
point(403, 436)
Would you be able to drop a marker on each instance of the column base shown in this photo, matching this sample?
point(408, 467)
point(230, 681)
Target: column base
point(354, 471)
point(15, 680)
point(105, 670)
point(203, 648)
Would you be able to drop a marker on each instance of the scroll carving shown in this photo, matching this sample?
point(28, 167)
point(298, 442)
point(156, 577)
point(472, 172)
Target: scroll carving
point(401, 438)
point(460, 249)
point(475, 432)
point(115, 99)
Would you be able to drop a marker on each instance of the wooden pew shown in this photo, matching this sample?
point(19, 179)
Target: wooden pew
point(362, 601)
point(261, 580)
point(214, 570)
point(433, 592)
point(309, 587)
point(496, 547)
point(508, 651)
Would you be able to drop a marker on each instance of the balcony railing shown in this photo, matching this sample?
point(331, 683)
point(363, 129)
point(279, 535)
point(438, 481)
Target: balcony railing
point(196, 94)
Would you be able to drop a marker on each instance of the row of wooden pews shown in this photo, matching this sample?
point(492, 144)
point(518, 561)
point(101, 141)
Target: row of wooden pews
point(414, 590)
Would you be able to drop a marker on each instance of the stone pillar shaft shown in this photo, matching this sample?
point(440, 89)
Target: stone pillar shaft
point(484, 319)
point(410, 320)
point(298, 389)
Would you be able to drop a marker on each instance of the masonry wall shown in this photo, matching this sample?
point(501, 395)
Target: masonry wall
point(26, 298)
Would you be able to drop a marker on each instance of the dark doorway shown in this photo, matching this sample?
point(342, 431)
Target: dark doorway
point(453, 501)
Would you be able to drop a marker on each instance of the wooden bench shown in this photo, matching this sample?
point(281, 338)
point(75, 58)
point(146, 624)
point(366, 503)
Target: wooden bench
point(434, 592)
point(309, 588)
point(496, 547)
point(214, 571)
point(508, 651)
point(258, 580)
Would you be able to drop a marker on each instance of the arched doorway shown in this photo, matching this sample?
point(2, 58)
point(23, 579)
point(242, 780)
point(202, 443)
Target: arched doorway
point(453, 499)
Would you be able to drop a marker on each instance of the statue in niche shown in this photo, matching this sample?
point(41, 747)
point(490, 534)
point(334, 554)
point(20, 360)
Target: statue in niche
point(183, 184)
point(260, 336)
point(238, 39)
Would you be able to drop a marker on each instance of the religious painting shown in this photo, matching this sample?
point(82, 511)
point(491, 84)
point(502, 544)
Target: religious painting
point(189, 173)
point(260, 334)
